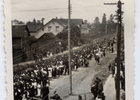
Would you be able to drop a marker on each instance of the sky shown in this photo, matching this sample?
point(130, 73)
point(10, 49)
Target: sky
point(27, 10)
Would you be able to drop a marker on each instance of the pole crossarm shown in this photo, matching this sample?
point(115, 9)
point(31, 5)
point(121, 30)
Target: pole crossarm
point(112, 3)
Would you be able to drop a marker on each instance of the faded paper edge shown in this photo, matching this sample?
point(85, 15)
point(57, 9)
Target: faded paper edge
point(129, 28)
point(129, 48)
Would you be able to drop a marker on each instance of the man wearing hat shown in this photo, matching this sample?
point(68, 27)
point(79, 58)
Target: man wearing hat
point(80, 97)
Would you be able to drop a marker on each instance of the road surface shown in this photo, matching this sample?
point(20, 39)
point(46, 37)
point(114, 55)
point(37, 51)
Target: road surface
point(81, 80)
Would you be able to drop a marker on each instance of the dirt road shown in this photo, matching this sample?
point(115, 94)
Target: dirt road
point(81, 80)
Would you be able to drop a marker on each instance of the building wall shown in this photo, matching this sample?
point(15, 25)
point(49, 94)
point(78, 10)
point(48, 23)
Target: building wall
point(17, 56)
point(33, 33)
point(17, 44)
point(53, 27)
point(85, 31)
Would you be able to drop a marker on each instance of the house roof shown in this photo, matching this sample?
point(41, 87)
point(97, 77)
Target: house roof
point(73, 21)
point(61, 21)
point(47, 36)
point(46, 39)
point(20, 31)
point(33, 27)
point(64, 22)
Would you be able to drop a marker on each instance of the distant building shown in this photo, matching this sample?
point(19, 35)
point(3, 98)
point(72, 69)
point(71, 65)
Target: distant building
point(17, 22)
point(56, 26)
point(84, 29)
point(20, 34)
point(47, 42)
point(34, 26)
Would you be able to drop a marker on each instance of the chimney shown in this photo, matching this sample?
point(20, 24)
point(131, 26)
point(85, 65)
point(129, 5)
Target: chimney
point(85, 21)
point(43, 20)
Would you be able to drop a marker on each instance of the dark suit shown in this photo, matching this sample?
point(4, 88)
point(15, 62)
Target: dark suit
point(45, 92)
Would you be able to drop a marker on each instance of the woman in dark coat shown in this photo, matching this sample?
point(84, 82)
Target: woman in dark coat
point(45, 92)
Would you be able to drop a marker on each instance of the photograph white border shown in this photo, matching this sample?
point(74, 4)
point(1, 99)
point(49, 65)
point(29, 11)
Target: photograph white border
point(129, 48)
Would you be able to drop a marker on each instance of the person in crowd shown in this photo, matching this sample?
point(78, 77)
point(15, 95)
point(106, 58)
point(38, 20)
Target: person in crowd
point(80, 97)
point(41, 57)
point(94, 90)
point(100, 96)
point(43, 71)
point(109, 67)
point(50, 72)
point(45, 92)
point(55, 96)
point(58, 69)
point(113, 70)
point(122, 79)
point(123, 96)
point(100, 87)
point(86, 62)
point(39, 89)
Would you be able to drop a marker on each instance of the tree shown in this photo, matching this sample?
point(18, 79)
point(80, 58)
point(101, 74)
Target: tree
point(111, 19)
point(96, 24)
point(103, 24)
point(75, 34)
point(104, 19)
point(96, 21)
point(111, 24)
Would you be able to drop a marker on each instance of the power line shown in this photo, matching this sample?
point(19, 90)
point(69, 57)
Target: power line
point(51, 9)
point(41, 47)
point(36, 49)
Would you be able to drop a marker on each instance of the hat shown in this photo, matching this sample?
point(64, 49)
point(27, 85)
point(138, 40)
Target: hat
point(79, 96)
point(55, 92)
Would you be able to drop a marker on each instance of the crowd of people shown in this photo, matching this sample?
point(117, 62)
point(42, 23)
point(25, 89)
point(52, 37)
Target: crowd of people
point(34, 81)
point(38, 57)
point(97, 89)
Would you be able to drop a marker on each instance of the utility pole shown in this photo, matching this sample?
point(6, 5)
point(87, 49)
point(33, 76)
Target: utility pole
point(119, 14)
point(69, 45)
point(106, 31)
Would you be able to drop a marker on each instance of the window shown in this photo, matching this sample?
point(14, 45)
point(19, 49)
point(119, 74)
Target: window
point(49, 28)
point(57, 28)
point(42, 29)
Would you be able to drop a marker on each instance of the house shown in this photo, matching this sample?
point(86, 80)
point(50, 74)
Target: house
point(84, 29)
point(20, 34)
point(47, 42)
point(56, 26)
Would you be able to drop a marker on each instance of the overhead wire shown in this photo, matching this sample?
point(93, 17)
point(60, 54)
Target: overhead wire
point(40, 47)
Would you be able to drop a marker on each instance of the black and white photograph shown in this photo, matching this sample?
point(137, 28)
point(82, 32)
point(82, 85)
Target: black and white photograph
point(68, 49)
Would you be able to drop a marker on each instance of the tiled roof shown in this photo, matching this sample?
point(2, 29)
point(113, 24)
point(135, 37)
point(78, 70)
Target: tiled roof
point(20, 31)
point(47, 36)
point(33, 27)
